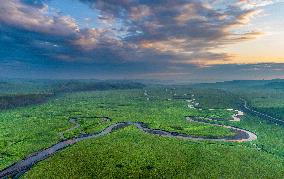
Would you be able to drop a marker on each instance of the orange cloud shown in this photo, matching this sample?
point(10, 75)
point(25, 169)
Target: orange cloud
point(171, 45)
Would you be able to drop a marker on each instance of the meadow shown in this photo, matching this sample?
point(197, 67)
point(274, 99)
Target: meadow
point(130, 153)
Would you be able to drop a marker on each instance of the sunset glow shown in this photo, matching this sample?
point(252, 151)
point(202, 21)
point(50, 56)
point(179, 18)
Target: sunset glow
point(104, 38)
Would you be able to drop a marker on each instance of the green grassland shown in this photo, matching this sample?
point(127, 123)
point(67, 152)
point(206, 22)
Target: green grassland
point(132, 153)
point(269, 101)
point(28, 129)
point(266, 96)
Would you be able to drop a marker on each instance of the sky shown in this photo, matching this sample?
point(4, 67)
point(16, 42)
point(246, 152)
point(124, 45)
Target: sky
point(186, 40)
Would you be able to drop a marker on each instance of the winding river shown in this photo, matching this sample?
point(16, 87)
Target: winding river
point(20, 167)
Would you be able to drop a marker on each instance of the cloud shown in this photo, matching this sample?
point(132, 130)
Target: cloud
point(163, 26)
point(35, 18)
point(129, 33)
point(180, 26)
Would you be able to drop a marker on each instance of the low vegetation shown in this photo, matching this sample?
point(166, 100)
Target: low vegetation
point(12, 101)
point(132, 153)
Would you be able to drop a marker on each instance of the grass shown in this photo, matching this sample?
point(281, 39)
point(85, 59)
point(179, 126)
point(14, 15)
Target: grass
point(130, 153)
point(29, 129)
point(268, 101)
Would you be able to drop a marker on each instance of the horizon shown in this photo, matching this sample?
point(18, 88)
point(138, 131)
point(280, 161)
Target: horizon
point(145, 81)
point(194, 41)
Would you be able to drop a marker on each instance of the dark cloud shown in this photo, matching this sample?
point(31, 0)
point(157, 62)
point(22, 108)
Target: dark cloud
point(186, 29)
point(132, 36)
